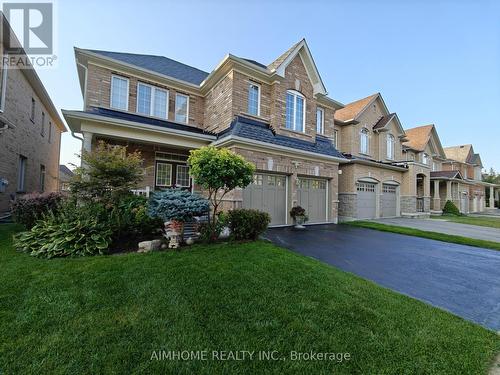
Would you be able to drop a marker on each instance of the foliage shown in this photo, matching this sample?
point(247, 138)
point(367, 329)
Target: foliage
point(130, 217)
point(177, 204)
point(28, 208)
point(107, 173)
point(450, 209)
point(492, 177)
point(297, 211)
point(209, 231)
point(219, 170)
point(247, 224)
point(73, 231)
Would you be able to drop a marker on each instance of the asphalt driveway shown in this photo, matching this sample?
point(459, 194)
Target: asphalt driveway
point(447, 227)
point(461, 279)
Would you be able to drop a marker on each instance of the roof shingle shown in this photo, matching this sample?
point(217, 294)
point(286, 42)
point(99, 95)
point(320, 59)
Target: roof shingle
point(352, 110)
point(458, 153)
point(418, 137)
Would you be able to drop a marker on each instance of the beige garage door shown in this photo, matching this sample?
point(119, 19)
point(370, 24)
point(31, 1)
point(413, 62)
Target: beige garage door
point(311, 195)
point(367, 206)
point(267, 193)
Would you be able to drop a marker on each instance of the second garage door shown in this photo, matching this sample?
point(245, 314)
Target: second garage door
point(367, 206)
point(311, 195)
point(388, 201)
point(267, 193)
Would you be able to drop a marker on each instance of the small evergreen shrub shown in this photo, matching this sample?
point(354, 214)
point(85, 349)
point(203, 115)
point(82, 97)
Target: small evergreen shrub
point(73, 231)
point(450, 209)
point(28, 208)
point(177, 204)
point(130, 218)
point(246, 224)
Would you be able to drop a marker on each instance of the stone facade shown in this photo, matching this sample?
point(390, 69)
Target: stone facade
point(29, 138)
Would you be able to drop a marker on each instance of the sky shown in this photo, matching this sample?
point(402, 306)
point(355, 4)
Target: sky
point(433, 61)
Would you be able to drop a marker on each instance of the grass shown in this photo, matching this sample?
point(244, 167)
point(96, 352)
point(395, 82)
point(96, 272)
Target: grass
point(108, 314)
point(426, 234)
point(482, 221)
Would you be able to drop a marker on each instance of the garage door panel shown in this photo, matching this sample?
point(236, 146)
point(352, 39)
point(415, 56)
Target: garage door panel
point(311, 195)
point(388, 201)
point(367, 206)
point(267, 193)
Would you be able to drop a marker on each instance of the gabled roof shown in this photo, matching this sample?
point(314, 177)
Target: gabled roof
point(260, 131)
point(446, 174)
point(65, 170)
point(158, 64)
point(421, 136)
point(462, 153)
point(351, 111)
point(301, 48)
point(476, 160)
point(384, 120)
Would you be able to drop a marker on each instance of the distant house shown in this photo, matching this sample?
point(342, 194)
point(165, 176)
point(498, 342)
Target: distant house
point(30, 133)
point(65, 175)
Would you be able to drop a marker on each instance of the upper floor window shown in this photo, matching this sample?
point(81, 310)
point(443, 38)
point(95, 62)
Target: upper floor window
point(42, 178)
point(336, 138)
point(42, 129)
point(295, 103)
point(425, 158)
point(181, 108)
point(254, 99)
point(32, 114)
point(320, 120)
point(21, 177)
point(363, 141)
point(50, 131)
point(390, 146)
point(119, 93)
point(152, 101)
point(434, 166)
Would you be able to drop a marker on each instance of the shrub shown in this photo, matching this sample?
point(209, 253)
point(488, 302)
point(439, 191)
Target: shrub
point(30, 207)
point(177, 204)
point(247, 224)
point(130, 217)
point(450, 209)
point(74, 231)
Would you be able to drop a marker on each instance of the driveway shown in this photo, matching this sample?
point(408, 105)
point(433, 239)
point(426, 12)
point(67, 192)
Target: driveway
point(461, 279)
point(447, 227)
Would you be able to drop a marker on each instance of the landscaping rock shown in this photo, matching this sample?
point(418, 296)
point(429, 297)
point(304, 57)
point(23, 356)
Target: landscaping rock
point(148, 246)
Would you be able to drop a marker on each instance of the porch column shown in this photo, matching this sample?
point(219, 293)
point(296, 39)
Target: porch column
point(448, 190)
point(492, 197)
point(86, 144)
point(436, 201)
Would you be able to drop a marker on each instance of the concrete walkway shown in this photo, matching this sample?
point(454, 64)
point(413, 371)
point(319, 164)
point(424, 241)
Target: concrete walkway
point(447, 227)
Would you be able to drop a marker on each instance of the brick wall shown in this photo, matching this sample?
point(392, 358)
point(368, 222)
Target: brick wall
point(26, 140)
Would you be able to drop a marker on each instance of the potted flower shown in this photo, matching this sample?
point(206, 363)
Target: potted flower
point(299, 217)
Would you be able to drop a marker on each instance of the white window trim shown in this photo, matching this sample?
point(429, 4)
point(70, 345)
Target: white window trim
point(153, 99)
point(251, 83)
point(294, 123)
point(4, 83)
point(336, 138)
point(187, 108)
point(156, 174)
point(322, 125)
point(362, 132)
point(391, 140)
point(111, 92)
point(177, 175)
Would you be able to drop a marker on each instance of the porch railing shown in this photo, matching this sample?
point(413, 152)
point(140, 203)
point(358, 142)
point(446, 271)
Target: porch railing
point(420, 204)
point(145, 192)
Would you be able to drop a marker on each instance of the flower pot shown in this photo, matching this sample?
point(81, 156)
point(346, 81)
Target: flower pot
point(299, 222)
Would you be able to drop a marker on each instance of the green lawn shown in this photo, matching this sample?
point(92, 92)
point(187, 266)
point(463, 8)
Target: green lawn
point(109, 314)
point(482, 221)
point(426, 234)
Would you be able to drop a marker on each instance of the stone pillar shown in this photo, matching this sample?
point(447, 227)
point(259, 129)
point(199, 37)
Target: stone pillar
point(448, 190)
point(87, 143)
point(436, 201)
point(492, 197)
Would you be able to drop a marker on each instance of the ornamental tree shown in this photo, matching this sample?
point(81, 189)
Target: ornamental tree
point(219, 171)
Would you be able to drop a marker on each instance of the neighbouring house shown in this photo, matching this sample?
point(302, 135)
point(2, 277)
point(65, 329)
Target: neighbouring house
point(30, 131)
point(277, 116)
point(471, 195)
point(65, 175)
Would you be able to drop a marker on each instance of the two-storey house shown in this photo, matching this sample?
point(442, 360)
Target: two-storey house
point(277, 116)
point(30, 129)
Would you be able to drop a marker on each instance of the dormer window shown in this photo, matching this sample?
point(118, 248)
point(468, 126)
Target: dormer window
point(119, 93)
point(181, 108)
point(320, 121)
point(295, 103)
point(364, 141)
point(152, 101)
point(425, 158)
point(390, 146)
point(254, 99)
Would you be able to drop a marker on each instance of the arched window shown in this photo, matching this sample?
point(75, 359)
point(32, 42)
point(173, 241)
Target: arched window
point(295, 107)
point(363, 141)
point(390, 146)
